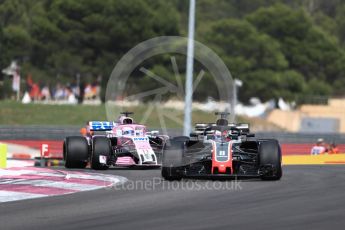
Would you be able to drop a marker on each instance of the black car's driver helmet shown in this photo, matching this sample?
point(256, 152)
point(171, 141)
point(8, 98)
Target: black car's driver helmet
point(222, 122)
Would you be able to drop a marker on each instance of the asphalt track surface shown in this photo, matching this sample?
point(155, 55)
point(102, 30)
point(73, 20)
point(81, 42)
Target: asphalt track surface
point(307, 197)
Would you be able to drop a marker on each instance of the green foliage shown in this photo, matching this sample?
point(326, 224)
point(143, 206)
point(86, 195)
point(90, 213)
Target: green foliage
point(69, 37)
point(270, 84)
point(279, 48)
point(308, 49)
point(257, 59)
point(317, 87)
point(340, 21)
point(244, 48)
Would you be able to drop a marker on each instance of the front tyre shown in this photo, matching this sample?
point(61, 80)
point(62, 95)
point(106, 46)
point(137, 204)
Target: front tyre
point(101, 153)
point(75, 152)
point(172, 162)
point(270, 160)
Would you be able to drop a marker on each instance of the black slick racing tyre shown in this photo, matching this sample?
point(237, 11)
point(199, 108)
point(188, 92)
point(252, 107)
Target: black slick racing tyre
point(172, 162)
point(101, 153)
point(270, 159)
point(75, 152)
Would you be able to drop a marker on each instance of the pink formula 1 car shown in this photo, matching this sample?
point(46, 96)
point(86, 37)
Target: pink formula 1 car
point(120, 143)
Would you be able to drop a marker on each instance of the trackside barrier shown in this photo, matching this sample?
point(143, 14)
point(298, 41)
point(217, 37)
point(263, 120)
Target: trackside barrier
point(44, 154)
point(3, 155)
point(46, 162)
point(47, 159)
point(314, 159)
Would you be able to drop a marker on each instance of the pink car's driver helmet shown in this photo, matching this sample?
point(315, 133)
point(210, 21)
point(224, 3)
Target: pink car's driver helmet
point(125, 120)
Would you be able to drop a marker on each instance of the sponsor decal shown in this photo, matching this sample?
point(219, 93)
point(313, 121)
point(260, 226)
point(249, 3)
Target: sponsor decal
point(140, 139)
point(222, 154)
point(44, 150)
point(101, 125)
point(102, 159)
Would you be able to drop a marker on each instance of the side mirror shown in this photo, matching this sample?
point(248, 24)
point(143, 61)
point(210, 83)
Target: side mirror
point(153, 133)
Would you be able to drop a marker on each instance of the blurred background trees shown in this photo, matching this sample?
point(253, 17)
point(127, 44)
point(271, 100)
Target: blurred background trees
point(278, 48)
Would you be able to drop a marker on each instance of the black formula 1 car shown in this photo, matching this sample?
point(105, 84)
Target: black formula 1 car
point(221, 150)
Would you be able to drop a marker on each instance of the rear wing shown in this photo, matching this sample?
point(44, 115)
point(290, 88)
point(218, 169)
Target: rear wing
point(101, 125)
point(244, 128)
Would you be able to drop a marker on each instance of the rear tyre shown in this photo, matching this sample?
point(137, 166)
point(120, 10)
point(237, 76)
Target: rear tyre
point(270, 160)
point(75, 152)
point(101, 153)
point(172, 162)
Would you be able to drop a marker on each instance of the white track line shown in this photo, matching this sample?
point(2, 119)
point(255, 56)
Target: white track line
point(27, 183)
point(6, 196)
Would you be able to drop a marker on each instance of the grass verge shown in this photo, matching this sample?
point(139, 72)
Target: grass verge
point(14, 113)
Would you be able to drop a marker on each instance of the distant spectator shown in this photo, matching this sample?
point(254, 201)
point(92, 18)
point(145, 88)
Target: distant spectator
point(99, 83)
point(29, 83)
point(45, 93)
point(75, 89)
point(319, 148)
point(88, 93)
point(33, 88)
point(35, 92)
point(71, 97)
point(60, 92)
point(96, 90)
point(333, 149)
